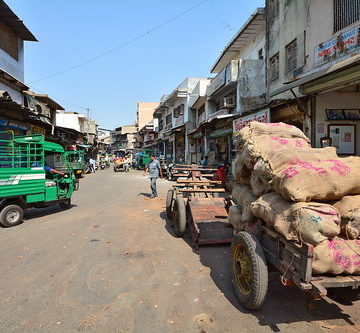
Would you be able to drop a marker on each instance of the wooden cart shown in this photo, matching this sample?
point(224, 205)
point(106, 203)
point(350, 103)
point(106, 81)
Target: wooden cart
point(193, 201)
point(252, 255)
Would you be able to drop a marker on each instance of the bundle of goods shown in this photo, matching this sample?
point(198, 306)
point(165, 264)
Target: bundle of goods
point(306, 194)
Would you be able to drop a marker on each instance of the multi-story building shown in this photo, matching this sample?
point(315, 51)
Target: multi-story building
point(314, 69)
point(123, 139)
point(144, 113)
point(237, 90)
point(13, 115)
point(173, 115)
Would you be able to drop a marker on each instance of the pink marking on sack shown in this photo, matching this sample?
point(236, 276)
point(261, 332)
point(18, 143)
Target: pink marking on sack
point(309, 166)
point(340, 168)
point(342, 260)
point(288, 126)
point(299, 144)
point(280, 140)
point(290, 172)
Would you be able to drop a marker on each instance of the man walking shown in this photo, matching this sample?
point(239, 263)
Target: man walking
point(154, 169)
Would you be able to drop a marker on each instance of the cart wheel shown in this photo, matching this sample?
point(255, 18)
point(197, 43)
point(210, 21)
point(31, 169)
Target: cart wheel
point(65, 204)
point(11, 215)
point(169, 203)
point(179, 217)
point(249, 270)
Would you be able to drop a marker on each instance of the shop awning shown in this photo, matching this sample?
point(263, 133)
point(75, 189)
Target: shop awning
point(220, 132)
point(338, 74)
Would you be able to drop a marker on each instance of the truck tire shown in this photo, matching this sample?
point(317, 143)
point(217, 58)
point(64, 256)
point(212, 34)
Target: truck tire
point(179, 217)
point(248, 270)
point(11, 215)
point(65, 204)
point(169, 203)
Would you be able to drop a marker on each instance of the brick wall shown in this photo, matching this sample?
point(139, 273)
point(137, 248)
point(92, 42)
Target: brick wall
point(8, 41)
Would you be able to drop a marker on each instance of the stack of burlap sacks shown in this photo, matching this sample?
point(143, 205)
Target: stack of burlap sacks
point(306, 194)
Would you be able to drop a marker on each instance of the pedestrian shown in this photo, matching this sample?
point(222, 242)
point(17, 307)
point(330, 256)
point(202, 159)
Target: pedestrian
point(154, 169)
point(222, 173)
point(92, 164)
point(205, 161)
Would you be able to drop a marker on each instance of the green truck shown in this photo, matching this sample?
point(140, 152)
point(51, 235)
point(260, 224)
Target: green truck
point(24, 183)
point(77, 162)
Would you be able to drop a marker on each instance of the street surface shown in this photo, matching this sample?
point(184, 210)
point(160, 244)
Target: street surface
point(111, 264)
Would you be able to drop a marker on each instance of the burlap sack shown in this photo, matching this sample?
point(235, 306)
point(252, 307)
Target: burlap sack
point(349, 208)
point(243, 196)
point(337, 256)
point(319, 180)
point(235, 219)
point(280, 159)
point(259, 186)
point(277, 129)
point(265, 146)
point(310, 222)
point(242, 172)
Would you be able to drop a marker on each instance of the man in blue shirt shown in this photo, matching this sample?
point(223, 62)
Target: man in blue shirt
point(51, 170)
point(154, 169)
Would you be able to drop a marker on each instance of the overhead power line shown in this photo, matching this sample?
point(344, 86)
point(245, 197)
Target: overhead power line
point(122, 45)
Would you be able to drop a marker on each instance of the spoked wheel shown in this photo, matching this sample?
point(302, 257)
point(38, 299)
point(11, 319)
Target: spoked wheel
point(179, 217)
point(11, 215)
point(169, 203)
point(249, 271)
point(65, 204)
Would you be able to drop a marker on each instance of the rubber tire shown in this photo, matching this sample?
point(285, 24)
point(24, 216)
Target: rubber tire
point(180, 222)
point(65, 204)
point(3, 215)
point(169, 203)
point(255, 299)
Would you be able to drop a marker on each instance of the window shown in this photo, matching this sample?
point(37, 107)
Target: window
point(8, 41)
point(346, 12)
point(291, 58)
point(168, 119)
point(273, 11)
point(260, 54)
point(274, 67)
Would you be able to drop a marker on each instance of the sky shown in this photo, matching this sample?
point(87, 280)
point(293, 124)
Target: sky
point(107, 55)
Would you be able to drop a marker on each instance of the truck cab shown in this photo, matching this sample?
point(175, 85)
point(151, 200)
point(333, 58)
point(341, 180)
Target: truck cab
point(24, 183)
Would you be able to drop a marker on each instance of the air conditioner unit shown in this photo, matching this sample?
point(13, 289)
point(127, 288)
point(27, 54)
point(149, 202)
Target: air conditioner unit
point(227, 102)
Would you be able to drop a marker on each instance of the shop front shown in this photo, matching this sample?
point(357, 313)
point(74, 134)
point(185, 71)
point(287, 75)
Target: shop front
point(335, 107)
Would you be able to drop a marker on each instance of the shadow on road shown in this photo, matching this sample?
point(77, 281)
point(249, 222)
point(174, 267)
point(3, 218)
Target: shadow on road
point(40, 212)
point(283, 305)
point(146, 195)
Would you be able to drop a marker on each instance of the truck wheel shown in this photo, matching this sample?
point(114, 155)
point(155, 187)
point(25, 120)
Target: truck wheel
point(179, 217)
point(169, 203)
point(249, 270)
point(65, 204)
point(11, 215)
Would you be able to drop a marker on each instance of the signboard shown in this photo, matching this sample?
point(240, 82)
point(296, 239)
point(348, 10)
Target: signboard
point(345, 43)
point(261, 116)
point(343, 138)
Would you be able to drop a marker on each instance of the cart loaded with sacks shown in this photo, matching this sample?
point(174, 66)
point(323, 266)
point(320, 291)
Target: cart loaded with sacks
point(296, 209)
point(196, 201)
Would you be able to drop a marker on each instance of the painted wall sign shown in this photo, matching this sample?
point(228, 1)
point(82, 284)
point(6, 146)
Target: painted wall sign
point(261, 116)
point(345, 43)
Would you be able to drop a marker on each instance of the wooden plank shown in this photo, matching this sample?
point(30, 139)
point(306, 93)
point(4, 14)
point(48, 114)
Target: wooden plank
point(199, 181)
point(203, 190)
point(191, 184)
point(194, 169)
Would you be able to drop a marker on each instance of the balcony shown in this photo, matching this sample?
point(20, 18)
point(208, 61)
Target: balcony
point(225, 81)
point(179, 121)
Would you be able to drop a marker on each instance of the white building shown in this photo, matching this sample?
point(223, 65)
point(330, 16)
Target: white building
point(314, 69)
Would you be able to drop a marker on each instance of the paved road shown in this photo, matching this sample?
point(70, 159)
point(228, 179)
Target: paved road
point(111, 264)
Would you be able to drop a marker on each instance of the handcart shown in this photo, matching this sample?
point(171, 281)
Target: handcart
point(194, 202)
point(251, 255)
